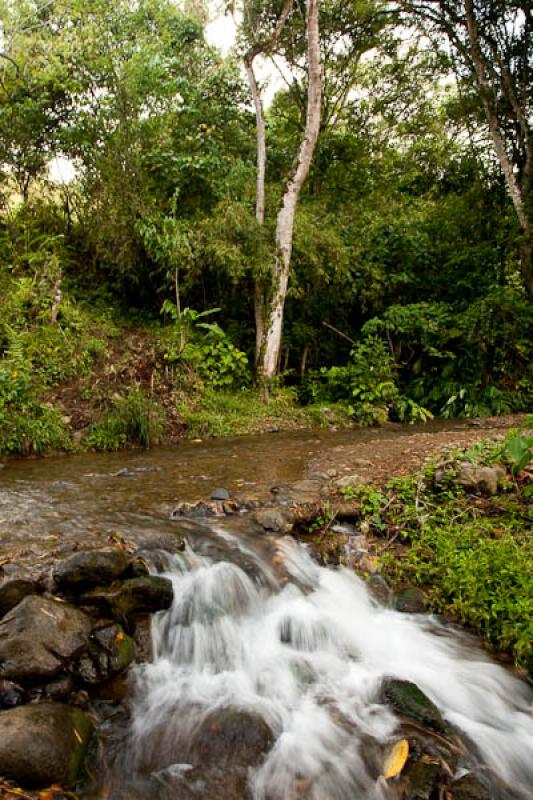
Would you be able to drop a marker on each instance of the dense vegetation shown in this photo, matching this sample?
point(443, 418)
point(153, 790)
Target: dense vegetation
point(472, 554)
point(127, 295)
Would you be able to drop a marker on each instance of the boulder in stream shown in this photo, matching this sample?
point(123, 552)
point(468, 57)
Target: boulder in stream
point(91, 568)
point(275, 520)
point(15, 588)
point(43, 743)
point(38, 636)
point(110, 651)
point(411, 601)
point(411, 702)
point(148, 593)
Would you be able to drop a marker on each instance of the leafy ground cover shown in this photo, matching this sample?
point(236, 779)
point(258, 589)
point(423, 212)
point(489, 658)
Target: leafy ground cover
point(472, 554)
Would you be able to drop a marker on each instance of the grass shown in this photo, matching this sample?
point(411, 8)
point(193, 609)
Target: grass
point(472, 555)
point(219, 413)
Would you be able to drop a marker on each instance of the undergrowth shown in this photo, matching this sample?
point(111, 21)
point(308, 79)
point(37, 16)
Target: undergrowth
point(473, 555)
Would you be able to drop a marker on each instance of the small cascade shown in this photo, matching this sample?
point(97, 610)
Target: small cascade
point(268, 685)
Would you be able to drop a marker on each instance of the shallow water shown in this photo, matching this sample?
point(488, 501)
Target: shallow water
point(259, 630)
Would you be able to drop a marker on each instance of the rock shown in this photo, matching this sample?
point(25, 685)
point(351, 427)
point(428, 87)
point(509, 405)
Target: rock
point(149, 593)
point(350, 480)
point(170, 542)
point(332, 473)
point(483, 480)
point(220, 494)
point(38, 636)
point(59, 689)
point(469, 788)
point(275, 519)
point(422, 780)
point(11, 694)
point(411, 601)
point(379, 589)
point(43, 743)
point(109, 652)
point(142, 636)
point(13, 589)
point(91, 568)
point(409, 701)
point(230, 737)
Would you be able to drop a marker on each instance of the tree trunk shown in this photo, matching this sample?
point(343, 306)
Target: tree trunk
point(287, 212)
point(491, 114)
point(259, 289)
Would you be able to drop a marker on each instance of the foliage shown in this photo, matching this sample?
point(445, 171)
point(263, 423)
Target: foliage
point(475, 560)
point(369, 384)
point(221, 413)
point(135, 418)
point(517, 448)
point(27, 426)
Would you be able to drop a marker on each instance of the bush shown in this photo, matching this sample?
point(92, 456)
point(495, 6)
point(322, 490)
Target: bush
point(27, 426)
point(135, 418)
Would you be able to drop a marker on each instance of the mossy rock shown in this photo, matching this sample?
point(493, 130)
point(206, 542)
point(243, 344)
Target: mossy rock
point(409, 701)
point(44, 743)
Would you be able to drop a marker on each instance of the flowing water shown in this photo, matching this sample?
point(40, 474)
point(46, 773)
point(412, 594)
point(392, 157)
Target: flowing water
point(268, 669)
point(306, 654)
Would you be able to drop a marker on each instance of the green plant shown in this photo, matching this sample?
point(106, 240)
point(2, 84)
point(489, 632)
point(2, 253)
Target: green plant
point(134, 418)
point(517, 447)
point(474, 561)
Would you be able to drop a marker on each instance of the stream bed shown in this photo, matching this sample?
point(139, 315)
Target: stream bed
point(269, 671)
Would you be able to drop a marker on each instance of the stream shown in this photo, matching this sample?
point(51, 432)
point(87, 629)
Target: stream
point(268, 669)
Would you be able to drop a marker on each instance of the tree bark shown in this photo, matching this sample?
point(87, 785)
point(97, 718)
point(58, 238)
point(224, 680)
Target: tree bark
point(491, 115)
point(287, 211)
point(259, 289)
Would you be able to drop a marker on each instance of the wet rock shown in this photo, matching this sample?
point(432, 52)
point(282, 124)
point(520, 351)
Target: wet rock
point(142, 637)
point(220, 494)
point(110, 651)
point(38, 636)
point(231, 737)
point(422, 780)
point(275, 519)
point(15, 588)
point(411, 601)
point(199, 509)
point(170, 542)
point(149, 593)
point(482, 480)
point(348, 481)
point(59, 689)
point(11, 694)
point(43, 743)
point(409, 701)
point(91, 567)
point(469, 788)
point(379, 589)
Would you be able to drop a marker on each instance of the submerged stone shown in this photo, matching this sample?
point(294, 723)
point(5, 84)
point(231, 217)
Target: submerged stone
point(43, 743)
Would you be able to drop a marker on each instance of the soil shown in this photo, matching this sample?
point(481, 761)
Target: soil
point(389, 457)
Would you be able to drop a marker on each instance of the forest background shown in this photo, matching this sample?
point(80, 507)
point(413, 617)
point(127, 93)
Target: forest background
point(128, 296)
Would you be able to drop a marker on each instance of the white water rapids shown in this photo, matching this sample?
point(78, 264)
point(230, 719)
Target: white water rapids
point(308, 654)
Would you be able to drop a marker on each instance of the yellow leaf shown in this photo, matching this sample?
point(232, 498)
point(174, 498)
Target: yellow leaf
point(396, 758)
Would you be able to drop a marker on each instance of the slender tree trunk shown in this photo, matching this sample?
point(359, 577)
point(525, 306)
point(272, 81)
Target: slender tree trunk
point(287, 212)
point(259, 289)
point(491, 115)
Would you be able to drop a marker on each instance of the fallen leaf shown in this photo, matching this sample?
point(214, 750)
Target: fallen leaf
point(396, 758)
point(78, 737)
